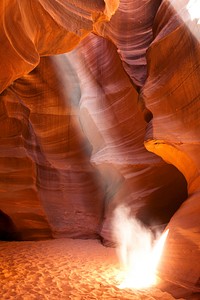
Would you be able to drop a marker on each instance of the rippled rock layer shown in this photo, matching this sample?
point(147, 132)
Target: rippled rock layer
point(113, 119)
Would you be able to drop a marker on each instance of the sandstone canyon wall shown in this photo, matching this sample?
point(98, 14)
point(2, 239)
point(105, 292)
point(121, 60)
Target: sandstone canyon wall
point(173, 130)
point(114, 119)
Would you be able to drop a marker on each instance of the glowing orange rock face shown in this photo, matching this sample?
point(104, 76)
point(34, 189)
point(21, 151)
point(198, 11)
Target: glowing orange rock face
point(45, 28)
point(75, 143)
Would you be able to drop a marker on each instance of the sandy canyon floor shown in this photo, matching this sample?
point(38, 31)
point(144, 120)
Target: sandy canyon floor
point(64, 269)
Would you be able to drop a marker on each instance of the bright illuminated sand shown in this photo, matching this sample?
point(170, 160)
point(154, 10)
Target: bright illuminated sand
point(64, 269)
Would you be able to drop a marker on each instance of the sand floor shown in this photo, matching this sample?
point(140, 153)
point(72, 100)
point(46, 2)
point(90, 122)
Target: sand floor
point(64, 269)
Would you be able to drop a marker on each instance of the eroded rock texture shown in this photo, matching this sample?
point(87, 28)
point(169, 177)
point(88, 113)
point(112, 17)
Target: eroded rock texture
point(172, 94)
point(115, 128)
point(30, 29)
point(44, 156)
point(77, 130)
point(130, 29)
point(61, 173)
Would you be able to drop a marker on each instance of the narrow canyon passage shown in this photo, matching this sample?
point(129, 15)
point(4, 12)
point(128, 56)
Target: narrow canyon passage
point(99, 110)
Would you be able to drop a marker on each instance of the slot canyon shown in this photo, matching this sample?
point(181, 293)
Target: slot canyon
point(99, 109)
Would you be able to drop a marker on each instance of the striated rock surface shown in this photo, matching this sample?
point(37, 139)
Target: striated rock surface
point(130, 29)
point(172, 94)
point(50, 139)
point(115, 127)
point(36, 170)
point(43, 28)
point(74, 138)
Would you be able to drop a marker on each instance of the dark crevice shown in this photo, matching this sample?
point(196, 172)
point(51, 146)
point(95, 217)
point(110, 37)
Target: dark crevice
point(8, 230)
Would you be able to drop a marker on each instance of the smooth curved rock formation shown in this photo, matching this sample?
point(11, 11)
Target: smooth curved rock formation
point(130, 29)
point(43, 28)
point(172, 94)
point(77, 129)
point(115, 127)
point(50, 139)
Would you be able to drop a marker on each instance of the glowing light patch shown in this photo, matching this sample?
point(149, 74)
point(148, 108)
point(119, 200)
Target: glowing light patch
point(193, 8)
point(190, 14)
point(137, 252)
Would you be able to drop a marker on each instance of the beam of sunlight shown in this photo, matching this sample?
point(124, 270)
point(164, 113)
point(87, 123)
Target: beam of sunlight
point(189, 11)
point(193, 8)
point(138, 253)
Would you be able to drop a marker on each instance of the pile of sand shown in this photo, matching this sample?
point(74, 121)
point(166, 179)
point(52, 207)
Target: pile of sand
point(64, 269)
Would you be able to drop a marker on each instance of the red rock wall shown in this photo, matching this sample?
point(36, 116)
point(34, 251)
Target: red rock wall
point(172, 94)
point(30, 29)
point(130, 29)
point(115, 127)
point(62, 178)
point(75, 128)
point(38, 185)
